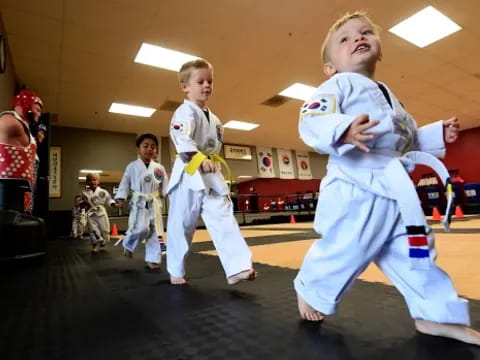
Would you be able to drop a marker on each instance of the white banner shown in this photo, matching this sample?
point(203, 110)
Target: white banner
point(55, 175)
point(303, 165)
point(237, 152)
point(265, 162)
point(285, 164)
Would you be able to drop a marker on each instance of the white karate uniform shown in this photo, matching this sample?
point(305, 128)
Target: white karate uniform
point(79, 221)
point(201, 194)
point(361, 212)
point(97, 217)
point(145, 206)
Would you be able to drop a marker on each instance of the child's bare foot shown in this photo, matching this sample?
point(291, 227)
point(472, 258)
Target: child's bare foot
point(246, 275)
point(307, 312)
point(95, 249)
point(153, 266)
point(453, 331)
point(127, 253)
point(177, 280)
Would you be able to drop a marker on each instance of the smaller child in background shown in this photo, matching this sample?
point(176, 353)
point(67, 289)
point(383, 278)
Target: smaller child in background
point(79, 218)
point(147, 180)
point(97, 218)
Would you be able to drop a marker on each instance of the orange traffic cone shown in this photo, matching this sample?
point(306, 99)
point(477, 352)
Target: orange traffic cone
point(459, 212)
point(292, 219)
point(436, 214)
point(114, 230)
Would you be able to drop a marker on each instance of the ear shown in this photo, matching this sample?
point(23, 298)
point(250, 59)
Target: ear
point(329, 69)
point(184, 88)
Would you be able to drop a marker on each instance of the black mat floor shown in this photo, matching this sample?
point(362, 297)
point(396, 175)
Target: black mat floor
point(80, 305)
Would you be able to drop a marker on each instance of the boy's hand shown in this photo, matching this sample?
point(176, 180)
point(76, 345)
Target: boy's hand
point(119, 203)
point(450, 130)
point(208, 166)
point(356, 133)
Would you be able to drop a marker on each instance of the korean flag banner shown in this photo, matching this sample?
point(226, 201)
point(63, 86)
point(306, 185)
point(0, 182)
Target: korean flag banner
point(285, 164)
point(303, 164)
point(265, 162)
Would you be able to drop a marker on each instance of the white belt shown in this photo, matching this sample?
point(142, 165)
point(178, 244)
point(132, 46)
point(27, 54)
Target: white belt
point(403, 191)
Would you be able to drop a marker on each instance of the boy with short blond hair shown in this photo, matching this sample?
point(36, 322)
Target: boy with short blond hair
point(368, 209)
point(197, 187)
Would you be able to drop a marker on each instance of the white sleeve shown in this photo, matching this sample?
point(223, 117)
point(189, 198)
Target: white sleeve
point(321, 123)
point(124, 187)
point(182, 129)
point(430, 139)
point(164, 182)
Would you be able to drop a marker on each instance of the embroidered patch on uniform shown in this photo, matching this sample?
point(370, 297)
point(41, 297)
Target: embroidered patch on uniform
point(179, 127)
point(322, 105)
point(219, 133)
point(101, 194)
point(147, 179)
point(158, 173)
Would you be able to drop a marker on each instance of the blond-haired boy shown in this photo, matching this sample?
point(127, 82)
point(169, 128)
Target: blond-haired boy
point(368, 209)
point(197, 187)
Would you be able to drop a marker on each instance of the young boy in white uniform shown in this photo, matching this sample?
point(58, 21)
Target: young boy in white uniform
point(98, 223)
point(148, 181)
point(197, 187)
point(368, 210)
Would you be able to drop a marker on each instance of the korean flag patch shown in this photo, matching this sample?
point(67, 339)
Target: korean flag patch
point(179, 128)
point(321, 105)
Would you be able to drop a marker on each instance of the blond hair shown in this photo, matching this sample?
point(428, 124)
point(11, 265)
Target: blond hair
point(91, 176)
point(186, 69)
point(339, 23)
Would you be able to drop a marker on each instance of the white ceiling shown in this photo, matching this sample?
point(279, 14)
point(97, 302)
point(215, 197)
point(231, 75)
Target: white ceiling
point(79, 56)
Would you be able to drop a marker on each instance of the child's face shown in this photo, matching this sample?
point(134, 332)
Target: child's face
point(354, 47)
point(199, 86)
point(78, 200)
point(93, 182)
point(147, 149)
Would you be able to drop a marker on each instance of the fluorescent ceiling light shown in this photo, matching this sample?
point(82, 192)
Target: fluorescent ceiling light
point(244, 177)
point(425, 27)
point(131, 110)
point(82, 178)
point(87, 171)
point(240, 125)
point(298, 91)
point(162, 57)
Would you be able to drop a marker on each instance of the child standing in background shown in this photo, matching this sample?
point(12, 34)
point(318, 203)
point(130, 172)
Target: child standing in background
point(148, 181)
point(79, 218)
point(96, 199)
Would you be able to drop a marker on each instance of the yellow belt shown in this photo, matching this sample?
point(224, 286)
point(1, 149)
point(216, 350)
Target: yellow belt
point(199, 157)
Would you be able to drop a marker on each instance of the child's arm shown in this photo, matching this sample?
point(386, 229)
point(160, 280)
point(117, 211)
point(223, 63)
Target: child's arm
point(431, 138)
point(325, 128)
point(124, 187)
point(182, 129)
point(164, 182)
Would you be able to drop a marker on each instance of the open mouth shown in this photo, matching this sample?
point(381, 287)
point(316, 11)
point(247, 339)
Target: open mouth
point(361, 47)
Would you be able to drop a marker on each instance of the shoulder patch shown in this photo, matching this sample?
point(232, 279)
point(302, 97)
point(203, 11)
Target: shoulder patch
point(179, 127)
point(323, 104)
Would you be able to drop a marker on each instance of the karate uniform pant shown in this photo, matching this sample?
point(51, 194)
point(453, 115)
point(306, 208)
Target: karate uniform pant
point(141, 225)
point(216, 211)
point(359, 227)
point(98, 228)
point(78, 226)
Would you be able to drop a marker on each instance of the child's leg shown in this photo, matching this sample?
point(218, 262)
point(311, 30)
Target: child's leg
point(353, 234)
point(137, 229)
point(152, 246)
point(233, 251)
point(181, 224)
point(430, 295)
point(94, 231)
